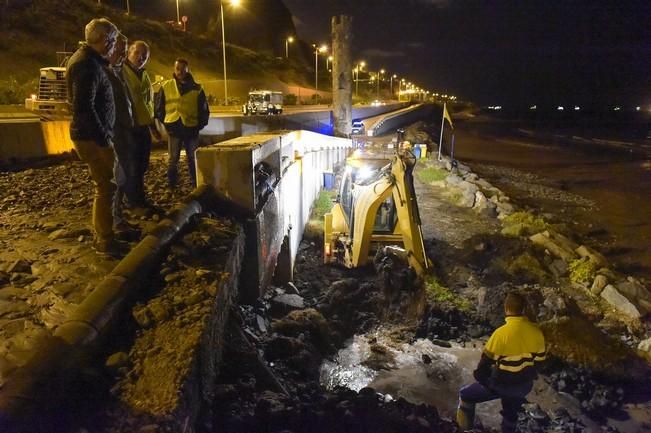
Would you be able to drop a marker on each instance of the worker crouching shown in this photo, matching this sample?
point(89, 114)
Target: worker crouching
point(507, 368)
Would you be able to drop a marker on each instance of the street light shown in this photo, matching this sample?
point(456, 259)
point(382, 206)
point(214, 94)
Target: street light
point(328, 60)
point(288, 41)
point(221, 7)
point(379, 77)
point(356, 70)
point(318, 50)
point(391, 83)
point(178, 15)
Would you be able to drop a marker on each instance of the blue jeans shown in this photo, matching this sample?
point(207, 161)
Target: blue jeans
point(512, 396)
point(174, 146)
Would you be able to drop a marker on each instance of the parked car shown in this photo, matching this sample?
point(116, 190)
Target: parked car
point(358, 127)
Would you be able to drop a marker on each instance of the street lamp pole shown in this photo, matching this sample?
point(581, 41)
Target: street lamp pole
point(317, 50)
point(287, 42)
point(381, 71)
point(391, 83)
point(316, 71)
point(221, 7)
point(178, 15)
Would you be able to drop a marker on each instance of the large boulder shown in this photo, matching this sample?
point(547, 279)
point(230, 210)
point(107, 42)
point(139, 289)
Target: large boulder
point(620, 302)
point(555, 245)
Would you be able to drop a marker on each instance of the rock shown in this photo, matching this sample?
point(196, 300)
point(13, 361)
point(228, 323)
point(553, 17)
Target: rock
point(4, 278)
point(453, 180)
point(142, 317)
point(282, 304)
point(555, 303)
point(619, 302)
point(50, 226)
point(559, 268)
point(504, 209)
point(261, 323)
point(20, 265)
point(482, 204)
point(600, 281)
point(59, 234)
point(635, 292)
point(117, 360)
point(170, 278)
point(441, 343)
point(194, 297)
point(555, 247)
point(645, 346)
point(592, 255)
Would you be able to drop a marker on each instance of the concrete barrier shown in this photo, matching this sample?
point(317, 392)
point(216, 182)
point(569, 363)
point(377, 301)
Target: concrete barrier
point(29, 137)
point(277, 177)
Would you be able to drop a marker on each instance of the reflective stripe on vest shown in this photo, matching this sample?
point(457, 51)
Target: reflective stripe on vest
point(177, 106)
point(141, 96)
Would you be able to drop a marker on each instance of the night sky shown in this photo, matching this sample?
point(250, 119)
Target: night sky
point(519, 52)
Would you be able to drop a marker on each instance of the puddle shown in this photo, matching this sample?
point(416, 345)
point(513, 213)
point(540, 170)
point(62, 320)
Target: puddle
point(406, 375)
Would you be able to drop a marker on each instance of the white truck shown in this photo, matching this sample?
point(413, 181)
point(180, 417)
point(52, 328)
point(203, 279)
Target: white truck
point(263, 102)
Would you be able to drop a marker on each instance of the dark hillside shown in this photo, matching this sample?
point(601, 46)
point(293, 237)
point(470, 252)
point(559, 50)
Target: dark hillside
point(33, 31)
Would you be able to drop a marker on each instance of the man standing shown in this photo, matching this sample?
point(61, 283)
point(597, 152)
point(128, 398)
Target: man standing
point(183, 108)
point(507, 367)
point(123, 169)
point(93, 116)
point(142, 97)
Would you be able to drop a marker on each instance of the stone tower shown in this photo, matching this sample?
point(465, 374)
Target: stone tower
point(342, 75)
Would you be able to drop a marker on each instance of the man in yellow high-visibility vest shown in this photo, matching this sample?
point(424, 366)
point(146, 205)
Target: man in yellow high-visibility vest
point(142, 96)
point(182, 107)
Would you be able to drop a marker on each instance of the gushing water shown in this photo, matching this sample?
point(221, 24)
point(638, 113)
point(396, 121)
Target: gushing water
point(419, 372)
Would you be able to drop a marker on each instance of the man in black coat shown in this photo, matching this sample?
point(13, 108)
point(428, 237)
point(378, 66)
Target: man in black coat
point(93, 116)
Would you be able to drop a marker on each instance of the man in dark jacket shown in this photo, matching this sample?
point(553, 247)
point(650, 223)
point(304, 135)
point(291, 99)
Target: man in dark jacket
point(181, 105)
point(93, 116)
point(507, 367)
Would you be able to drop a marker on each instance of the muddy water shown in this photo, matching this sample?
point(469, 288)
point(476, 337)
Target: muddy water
point(603, 195)
point(404, 374)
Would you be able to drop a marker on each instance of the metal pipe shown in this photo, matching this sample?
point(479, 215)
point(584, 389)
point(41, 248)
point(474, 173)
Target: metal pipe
point(58, 358)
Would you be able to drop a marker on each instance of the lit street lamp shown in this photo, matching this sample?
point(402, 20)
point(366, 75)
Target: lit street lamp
point(178, 15)
point(318, 50)
point(288, 41)
point(221, 7)
point(379, 77)
point(391, 83)
point(356, 70)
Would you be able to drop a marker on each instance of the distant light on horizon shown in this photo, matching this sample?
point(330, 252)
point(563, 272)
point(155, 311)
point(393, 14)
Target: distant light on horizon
point(560, 108)
point(637, 108)
point(617, 108)
point(533, 107)
point(577, 108)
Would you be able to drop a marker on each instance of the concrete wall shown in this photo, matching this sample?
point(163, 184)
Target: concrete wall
point(32, 138)
point(296, 161)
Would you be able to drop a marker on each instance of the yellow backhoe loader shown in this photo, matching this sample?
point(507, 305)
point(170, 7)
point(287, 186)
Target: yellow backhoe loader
point(376, 210)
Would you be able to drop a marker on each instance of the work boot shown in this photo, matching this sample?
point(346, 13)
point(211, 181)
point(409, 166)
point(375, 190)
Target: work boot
point(465, 416)
point(111, 248)
point(126, 232)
